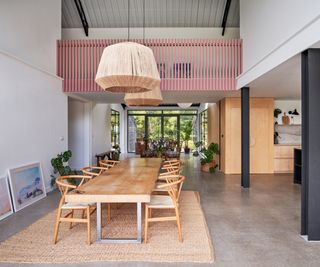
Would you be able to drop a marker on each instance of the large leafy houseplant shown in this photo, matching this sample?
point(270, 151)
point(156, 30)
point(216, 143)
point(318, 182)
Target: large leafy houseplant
point(186, 132)
point(207, 157)
point(61, 166)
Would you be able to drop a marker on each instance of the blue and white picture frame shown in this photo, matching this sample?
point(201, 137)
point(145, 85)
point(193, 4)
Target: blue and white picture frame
point(27, 185)
point(6, 208)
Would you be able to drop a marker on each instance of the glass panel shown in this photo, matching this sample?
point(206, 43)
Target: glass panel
point(165, 111)
point(170, 125)
point(115, 127)
point(204, 128)
point(154, 128)
point(144, 112)
point(136, 128)
point(185, 122)
point(180, 111)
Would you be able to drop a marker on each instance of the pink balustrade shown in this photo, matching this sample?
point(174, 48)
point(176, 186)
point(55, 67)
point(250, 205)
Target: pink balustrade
point(183, 64)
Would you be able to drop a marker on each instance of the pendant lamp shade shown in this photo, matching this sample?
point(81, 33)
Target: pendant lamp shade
point(151, 98)
point(127, 68)
point(184, 105)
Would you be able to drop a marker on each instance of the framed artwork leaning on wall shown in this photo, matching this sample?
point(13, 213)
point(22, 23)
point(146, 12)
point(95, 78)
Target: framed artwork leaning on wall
point(6, 208)
point(27, 185)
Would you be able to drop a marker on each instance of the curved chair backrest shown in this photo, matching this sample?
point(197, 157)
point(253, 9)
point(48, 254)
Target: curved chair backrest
point(64, 186)
point(172, 163)
point(174, 186)
point(108, 163)
point(93, 171)
point(171, 171)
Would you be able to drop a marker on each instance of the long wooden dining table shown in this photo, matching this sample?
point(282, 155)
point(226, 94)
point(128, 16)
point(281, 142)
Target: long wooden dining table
point(130, 181)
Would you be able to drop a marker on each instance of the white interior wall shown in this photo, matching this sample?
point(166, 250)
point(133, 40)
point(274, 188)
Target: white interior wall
point(29, 30)
point(33, 115)
point(90, 130)
point(274, 31)
point(76, 133)
point(101, 132)
point(137, 33)
point(33, 109)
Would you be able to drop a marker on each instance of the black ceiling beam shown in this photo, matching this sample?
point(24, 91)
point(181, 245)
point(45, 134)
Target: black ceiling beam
point(225, 16)
point(82, 16)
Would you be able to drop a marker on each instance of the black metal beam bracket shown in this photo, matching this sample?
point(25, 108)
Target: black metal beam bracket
point(82, 16)
point(225, 16)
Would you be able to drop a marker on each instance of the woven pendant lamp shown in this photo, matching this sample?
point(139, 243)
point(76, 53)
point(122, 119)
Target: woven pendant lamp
point(151, 98)
point(127, 68)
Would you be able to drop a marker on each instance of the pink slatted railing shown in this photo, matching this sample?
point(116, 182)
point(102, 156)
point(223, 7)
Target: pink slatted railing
point(183, 64)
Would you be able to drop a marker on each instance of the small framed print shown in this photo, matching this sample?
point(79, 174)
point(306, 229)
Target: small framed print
point(6, 208)
point(27, 185)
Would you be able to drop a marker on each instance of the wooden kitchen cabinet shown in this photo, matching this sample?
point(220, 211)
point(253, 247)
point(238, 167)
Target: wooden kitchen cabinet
point(283, 158)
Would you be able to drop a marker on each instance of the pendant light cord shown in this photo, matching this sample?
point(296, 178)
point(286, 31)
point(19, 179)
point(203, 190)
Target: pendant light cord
point(144, 19)
point(128, 20)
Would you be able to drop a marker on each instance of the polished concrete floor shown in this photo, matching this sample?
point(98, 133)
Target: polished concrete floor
point(249, 227)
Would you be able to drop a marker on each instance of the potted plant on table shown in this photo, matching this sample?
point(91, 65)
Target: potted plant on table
point(186, 132)
point(208, 164)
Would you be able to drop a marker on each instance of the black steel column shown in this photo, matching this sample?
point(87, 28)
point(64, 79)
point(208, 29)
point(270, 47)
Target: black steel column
point(245, 137)
point(310, 187)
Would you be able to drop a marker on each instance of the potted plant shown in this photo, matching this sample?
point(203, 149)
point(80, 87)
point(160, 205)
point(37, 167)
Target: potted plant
point(277, 112)
point(208, 163)
point(61, 166)
point(116, 153)
point(186, 135)
point(198, 148)
point(158, 147)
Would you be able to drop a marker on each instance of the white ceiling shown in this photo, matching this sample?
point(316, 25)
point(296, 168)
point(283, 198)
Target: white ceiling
point(158, 13)
point(282, 82)
point(169, 97)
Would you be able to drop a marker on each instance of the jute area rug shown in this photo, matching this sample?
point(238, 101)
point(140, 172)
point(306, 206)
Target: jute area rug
point(34, 244)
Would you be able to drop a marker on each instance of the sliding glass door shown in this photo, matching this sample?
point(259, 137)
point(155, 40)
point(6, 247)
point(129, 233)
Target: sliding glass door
point(170, 127)
point(162, 126)
point(156, 124)
point(154, 127)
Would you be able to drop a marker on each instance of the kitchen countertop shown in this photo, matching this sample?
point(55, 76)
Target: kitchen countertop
point(287, 144)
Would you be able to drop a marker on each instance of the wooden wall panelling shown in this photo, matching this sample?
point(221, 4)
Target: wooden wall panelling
point(261, 135)
point(234, 136)
point(222, 129)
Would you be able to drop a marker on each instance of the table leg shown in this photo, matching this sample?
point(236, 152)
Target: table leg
point(98, 211)
point(137, 240)
point(139, 222)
